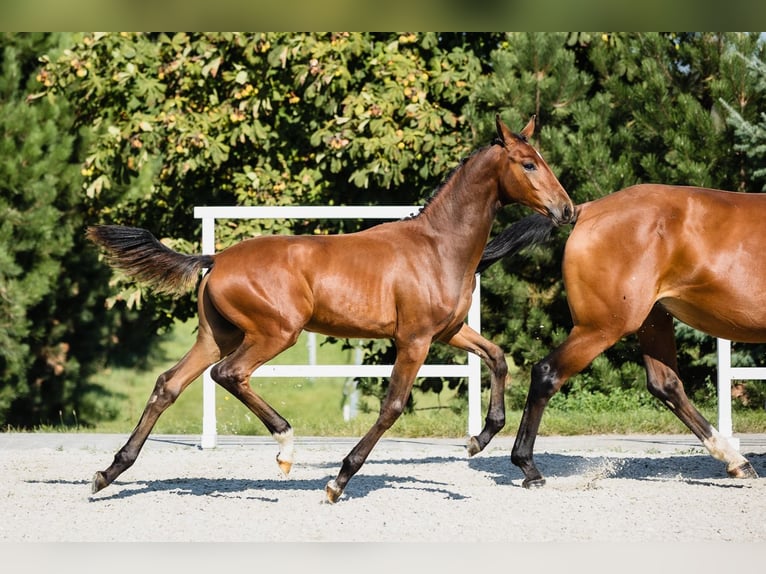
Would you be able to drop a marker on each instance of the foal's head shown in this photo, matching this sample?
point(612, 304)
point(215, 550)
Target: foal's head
point(527, 179)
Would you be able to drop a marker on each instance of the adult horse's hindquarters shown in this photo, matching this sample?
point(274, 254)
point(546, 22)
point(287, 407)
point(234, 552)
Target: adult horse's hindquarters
point(636, 259)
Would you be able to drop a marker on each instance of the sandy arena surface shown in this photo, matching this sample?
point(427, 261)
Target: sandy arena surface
point(599, 488)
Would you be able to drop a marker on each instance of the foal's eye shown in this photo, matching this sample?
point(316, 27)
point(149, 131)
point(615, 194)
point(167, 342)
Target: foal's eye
point(529, 166)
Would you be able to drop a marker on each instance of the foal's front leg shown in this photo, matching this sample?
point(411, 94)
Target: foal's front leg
point(408, 361)
point(493, 356)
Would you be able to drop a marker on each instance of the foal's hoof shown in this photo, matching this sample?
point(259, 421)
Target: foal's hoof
point(533, 482)
point(333, 491)
point(284, 465)
point(473, 446)
point(99, 482)
point(744, 470)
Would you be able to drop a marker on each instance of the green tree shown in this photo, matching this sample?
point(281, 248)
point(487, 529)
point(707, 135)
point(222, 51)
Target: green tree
point(743, 104)
point(523, 304)
point(263, 118)
point(43, 279)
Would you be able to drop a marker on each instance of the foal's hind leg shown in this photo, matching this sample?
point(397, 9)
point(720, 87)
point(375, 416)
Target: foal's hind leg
point(168, 387)
point(493, 356)
point(658, 346)
point(216, 337)
point(233, 374)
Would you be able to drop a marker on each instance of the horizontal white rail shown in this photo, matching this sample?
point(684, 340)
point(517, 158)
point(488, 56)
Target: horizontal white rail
point(349, 371)
point(307, 212)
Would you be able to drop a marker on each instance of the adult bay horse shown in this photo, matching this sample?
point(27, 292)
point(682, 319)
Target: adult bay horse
point(410, 281)
point(634, 260)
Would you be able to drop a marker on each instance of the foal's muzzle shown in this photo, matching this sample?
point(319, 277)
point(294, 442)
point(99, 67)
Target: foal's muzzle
point(566, 214)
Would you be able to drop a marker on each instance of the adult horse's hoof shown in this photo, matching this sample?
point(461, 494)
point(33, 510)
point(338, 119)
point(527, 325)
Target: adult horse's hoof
point(284, 465)
point(473, 446)
point(99, 482)
point(333, 491)
point(533, 482)
point(744, 470)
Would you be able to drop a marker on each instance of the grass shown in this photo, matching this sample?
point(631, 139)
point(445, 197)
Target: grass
point(314, 407)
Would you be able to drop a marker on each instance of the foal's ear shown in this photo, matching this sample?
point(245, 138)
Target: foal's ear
point(507, 136)
point(503, 133)
point(529, 130)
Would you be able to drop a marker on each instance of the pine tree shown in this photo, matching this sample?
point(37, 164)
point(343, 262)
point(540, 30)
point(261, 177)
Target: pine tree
point(43, 277)
point(743, 105)
point(523, 305)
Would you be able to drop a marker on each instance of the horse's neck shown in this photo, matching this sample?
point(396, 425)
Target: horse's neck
point(466, 205)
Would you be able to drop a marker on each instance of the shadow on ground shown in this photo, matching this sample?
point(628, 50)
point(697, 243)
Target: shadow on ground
point(692, 468)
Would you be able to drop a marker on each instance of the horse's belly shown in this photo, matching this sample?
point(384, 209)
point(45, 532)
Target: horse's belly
point(735, 319)
point(360, 317)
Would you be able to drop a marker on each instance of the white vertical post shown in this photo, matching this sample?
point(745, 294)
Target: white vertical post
point(724, 388)
point(209, 437)
point(474, 365)
point(311, 347)
point(727, 374)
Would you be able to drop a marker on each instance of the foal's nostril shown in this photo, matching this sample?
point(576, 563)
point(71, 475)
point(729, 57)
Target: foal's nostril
point(567, 213)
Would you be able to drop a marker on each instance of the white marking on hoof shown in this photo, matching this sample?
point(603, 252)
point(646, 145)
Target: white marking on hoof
point(720, 448)
point(286, 442)
point(333, 491)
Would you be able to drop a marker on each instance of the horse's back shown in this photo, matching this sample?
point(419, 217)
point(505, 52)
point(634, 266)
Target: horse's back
point(674, 216)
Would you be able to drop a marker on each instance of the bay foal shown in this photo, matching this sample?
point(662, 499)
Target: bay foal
point(410, 281)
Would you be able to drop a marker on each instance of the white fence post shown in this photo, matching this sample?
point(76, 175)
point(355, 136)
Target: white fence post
point(724, 388)
point(472, 370)
point(209, 425)
point(726, 374)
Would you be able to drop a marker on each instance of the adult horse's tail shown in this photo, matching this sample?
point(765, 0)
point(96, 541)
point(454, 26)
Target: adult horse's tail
point(526, 232)
point(143, 258)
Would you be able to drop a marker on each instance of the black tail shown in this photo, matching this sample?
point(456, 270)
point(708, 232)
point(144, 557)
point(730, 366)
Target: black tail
point(143, 258)
point(526, 232)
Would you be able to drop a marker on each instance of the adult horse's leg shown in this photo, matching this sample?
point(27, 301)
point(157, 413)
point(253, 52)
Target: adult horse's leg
point(408, 360)
point(233, 374)
point(548, 376)
point(657, 340)
point(493, 356)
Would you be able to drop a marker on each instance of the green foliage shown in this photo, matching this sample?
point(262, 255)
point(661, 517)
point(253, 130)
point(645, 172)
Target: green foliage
point(262, 118)
point(137, 128)
point(44, 276)
point(744, 113)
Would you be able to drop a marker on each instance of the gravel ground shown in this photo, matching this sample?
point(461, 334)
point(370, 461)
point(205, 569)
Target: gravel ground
point(600, 489)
